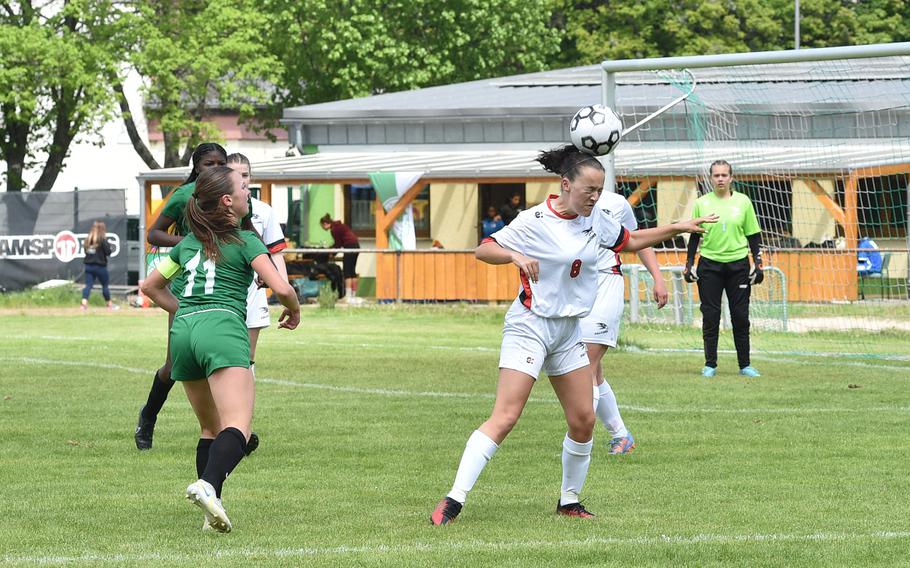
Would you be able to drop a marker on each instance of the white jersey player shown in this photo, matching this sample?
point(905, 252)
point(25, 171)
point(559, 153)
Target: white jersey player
point(555, 247)
point(541, 330)
point(266, 224)
point(600, 329)
point(602, 324)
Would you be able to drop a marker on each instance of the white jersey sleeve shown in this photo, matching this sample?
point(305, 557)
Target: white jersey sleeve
point(618, 208)
point(266, 223)
point(516, 235)
point(628, 217)
point(611, 234)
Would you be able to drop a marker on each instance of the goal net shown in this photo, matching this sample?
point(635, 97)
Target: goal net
point(823, 150)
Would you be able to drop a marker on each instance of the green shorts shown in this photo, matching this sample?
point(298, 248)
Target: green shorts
point(203, 342)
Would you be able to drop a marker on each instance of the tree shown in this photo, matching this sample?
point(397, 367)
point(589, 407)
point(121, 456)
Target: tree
point(615, 29)
point(336, 50)
point(52, 87)
point(196, 57)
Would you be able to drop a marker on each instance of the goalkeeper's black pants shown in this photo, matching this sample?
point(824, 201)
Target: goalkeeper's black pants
point(714, 279)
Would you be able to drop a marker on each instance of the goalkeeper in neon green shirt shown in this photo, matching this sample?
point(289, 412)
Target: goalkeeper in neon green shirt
point(723, 266)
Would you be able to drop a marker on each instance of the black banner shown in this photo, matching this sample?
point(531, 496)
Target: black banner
point(41, 235)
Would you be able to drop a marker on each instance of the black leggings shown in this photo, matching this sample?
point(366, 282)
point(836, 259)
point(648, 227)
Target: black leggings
point(715, 278)
point(349, 262)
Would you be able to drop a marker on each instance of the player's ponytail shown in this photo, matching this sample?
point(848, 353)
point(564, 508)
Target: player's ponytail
point(566, 161)
point(209, 219)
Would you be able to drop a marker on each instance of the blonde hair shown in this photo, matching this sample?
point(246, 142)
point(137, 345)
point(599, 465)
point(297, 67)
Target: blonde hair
point(96, 235)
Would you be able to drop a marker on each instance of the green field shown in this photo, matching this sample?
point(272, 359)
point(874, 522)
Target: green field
point(363, 415)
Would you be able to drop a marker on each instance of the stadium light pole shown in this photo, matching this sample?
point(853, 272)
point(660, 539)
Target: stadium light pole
point(795, 24)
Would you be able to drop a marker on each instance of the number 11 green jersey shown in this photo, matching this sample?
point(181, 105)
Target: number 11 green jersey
point(205, 284)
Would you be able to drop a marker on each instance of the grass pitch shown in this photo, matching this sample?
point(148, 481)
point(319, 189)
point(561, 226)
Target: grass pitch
point(363, 416)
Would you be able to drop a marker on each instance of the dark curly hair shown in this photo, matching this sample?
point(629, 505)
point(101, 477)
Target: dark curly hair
point(566, 161)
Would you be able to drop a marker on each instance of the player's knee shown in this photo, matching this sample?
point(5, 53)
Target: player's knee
point(581, 425)
point(501, 423)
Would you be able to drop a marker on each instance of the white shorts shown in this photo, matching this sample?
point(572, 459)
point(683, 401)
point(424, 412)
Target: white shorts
point(531, 343)
point(601, 326)
point(257, 307)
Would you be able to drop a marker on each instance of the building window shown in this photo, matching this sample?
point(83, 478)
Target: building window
point(881, 204)
point(360, 210)
point(772, 200)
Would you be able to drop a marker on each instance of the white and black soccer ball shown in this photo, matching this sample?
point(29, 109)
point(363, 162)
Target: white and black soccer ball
point(595, 129)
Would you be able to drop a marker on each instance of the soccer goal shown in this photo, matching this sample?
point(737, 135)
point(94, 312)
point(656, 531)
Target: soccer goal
point(819, 139)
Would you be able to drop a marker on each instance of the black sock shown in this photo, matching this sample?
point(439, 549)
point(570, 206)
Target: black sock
point(226, 452)
point(157, 395)
point(202, 455)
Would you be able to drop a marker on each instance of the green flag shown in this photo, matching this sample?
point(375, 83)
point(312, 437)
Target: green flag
point(390, 186)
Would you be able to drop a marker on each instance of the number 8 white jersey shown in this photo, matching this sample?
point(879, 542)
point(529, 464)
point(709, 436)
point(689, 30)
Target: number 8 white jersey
point(566, 248)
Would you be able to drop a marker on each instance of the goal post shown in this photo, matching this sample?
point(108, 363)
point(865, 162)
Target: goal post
point(819, 139)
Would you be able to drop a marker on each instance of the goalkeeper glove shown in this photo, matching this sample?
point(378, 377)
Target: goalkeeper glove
point(757, 276)
point(690, 274)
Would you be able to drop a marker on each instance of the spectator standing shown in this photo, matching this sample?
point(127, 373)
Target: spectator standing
point(344, 237)
point(97, 251)
point(511, 208)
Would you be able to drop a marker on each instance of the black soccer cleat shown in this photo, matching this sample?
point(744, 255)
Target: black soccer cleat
point(145, 429)
point(252, 443)
point(573, 510)
point(445, 511)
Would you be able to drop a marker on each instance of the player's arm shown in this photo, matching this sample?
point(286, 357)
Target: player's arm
point(280, 266)
point(645, 238)
point(290, 317)
point(757, 276)
point(689, 274)
point(491, 252)
point(155, 286)
point(158, 235)
point(276, 243)
point(649, 259)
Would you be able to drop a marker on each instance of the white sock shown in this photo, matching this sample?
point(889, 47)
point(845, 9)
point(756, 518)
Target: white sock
point(477, 452)
point(576, 457)
point(348, 292)
point(596, 398)
point(608, 412)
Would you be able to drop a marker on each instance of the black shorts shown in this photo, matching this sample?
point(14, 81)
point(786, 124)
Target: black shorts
point(349, 263)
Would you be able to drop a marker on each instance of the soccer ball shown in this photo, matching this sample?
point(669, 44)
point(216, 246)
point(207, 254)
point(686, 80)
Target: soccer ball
point(595, 129)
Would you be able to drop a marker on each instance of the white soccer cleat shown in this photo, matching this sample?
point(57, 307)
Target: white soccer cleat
point(202, 494)
point(206, 525)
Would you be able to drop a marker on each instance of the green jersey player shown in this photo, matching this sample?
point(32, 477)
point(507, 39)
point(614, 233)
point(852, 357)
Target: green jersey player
point(209, 342)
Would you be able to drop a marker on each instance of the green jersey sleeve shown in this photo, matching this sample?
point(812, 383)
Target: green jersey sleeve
point(252, 246)
point(175, 208)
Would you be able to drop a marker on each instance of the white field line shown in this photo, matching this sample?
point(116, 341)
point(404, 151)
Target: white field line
point(475, 396)
point(468, 546)
point(777, 358)
point(770, 355)
point(807, 354)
